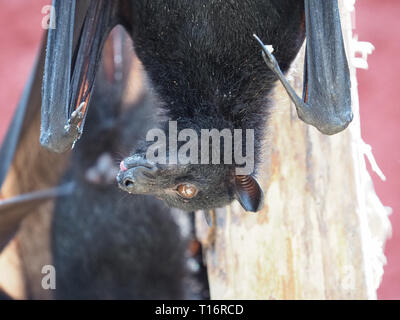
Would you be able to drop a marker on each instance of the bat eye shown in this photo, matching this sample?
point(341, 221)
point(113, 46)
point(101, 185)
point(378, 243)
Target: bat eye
point(187, 191)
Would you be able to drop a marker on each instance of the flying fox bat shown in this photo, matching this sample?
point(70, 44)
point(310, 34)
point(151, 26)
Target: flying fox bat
point(204, 64)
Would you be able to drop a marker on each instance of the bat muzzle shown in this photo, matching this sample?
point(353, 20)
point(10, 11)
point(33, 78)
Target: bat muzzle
point(136, 176)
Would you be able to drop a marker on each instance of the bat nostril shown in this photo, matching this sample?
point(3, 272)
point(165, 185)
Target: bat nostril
point(128, 182)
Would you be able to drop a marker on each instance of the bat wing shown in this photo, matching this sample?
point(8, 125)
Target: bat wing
point(14, 210)
point(327, 83)
point(73, 54)
point(326, 102)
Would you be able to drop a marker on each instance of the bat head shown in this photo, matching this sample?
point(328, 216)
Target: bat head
point(190, 187)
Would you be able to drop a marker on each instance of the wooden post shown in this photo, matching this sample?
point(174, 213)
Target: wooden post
point(321, 232)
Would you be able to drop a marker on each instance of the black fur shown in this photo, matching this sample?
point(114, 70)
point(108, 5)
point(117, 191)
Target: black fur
point(207, 69)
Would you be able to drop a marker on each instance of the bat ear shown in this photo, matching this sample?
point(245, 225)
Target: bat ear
point(249, 193)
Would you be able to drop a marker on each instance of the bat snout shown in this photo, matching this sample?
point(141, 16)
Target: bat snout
point(126, 183)
point(136, 179)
